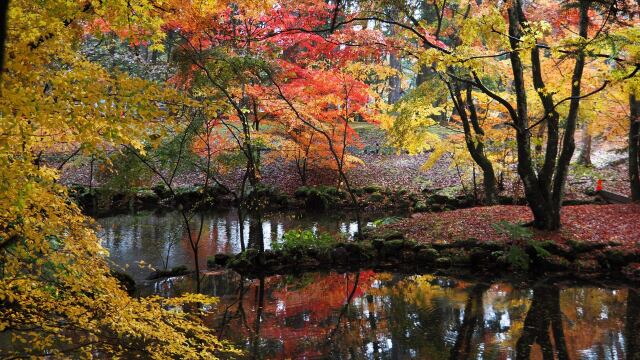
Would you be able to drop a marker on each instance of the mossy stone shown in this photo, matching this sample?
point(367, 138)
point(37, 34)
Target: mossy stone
point(428, 255)
point(408, 256)
point(370, 189)
point(220, 259)
point(420, 206)
point(376, 198)
point(443, 262)
point(393, 235)
point(340, 255)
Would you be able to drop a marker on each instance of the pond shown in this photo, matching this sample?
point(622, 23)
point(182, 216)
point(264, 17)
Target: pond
point(380, 315)
point(376, 315)
point(160, 240)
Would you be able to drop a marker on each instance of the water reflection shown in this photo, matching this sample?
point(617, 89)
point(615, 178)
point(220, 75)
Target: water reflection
point(369, 315)
point(161, 241)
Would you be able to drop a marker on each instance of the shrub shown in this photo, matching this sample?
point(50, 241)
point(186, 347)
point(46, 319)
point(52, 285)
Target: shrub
point(386, 220)
point(518, 258)
point(370, 189)
point(376, 197)
point(513, 231)
point(303, 240)
point(301, 192)
point(161, 190)
point(317, 200)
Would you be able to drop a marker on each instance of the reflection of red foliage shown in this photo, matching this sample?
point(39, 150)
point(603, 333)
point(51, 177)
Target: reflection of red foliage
point(299, 312)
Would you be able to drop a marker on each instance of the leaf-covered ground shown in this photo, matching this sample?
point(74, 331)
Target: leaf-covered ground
point(587, 223)
point(380, 166)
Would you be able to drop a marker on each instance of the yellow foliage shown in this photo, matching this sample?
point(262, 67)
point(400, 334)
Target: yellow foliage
point(57, 297)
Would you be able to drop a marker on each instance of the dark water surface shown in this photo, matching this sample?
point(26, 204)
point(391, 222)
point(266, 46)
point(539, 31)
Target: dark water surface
point(162, 239)
point(380, 315)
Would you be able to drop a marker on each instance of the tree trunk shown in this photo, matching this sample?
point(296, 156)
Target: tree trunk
point(4, 11)
point(568, 140)
point(634, 147)
point(543, 190)
point(535, 196)
point(395, 89)
point(474, 142)
point(585, 152)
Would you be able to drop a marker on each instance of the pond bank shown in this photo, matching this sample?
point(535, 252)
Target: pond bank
point(103, 202)
point(460, 258)
point(582, 249)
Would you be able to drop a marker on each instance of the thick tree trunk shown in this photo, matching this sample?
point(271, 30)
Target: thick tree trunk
point(536, 196)
point(544, 190)
point(634, 147)
point(568, 140)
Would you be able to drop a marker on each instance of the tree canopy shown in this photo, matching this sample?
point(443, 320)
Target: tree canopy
point(237, 84)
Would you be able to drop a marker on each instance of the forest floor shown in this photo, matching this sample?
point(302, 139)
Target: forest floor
point(387, 168)
point(611, 224)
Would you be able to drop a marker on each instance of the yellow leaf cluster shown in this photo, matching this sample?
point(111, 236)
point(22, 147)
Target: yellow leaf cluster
point(57, 295)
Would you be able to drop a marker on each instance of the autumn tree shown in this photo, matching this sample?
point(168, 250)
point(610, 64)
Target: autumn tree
point(525, 42)
point(58, 295)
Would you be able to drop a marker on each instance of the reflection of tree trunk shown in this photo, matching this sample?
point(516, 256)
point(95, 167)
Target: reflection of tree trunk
point(255, 343)
point(373, 324)
point(473, 315)
point(632, 325)
point(241, 228)
point(544, 314)
point(226, 317)
point(555, 316)
point(345, 307)
point(256, 237)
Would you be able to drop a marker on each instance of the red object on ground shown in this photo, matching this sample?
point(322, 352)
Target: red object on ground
point(599, 185)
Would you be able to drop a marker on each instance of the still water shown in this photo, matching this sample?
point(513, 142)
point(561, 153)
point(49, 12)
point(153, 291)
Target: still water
point(137, 243)
point(377, 315)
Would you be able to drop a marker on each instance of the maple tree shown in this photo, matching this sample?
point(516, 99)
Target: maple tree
point(57, 292)
point(273, 93)
point(476, 52)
